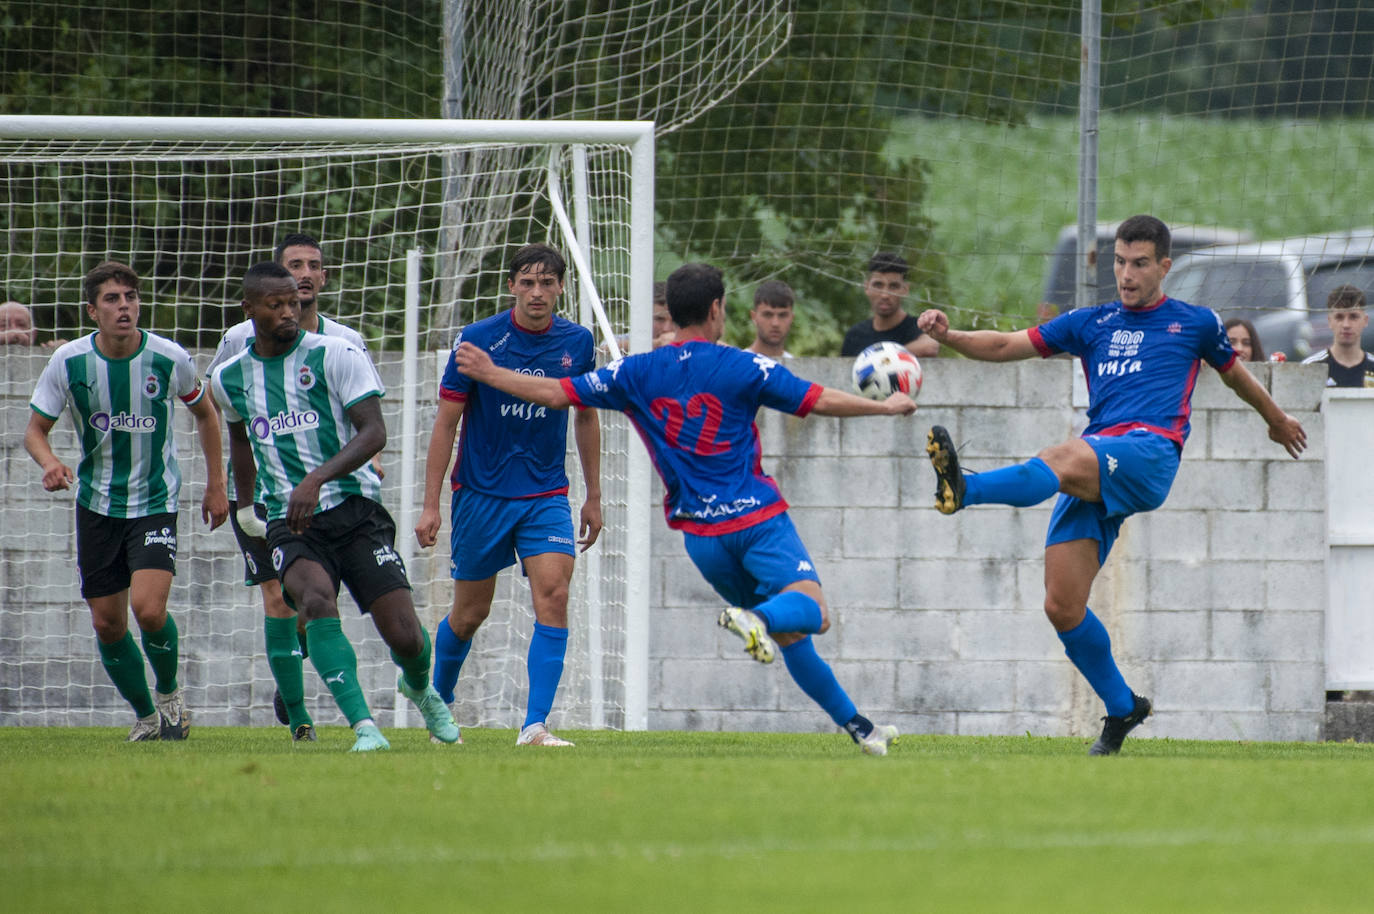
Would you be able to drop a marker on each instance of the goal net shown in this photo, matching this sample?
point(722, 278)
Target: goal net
point(417, 221)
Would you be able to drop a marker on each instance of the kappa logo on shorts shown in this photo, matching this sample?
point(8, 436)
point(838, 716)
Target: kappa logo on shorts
point(277, 559)
point(804, 565)
point(561, 539)
point(166, 536)
point(384, 555)
point(1111, 464)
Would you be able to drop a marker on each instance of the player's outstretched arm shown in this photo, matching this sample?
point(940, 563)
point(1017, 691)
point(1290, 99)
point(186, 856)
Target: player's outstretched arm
point(587, 434)
point(1283, 428)
point(836, 402)
point(56, 474)
point(437, 461)
point(984, 345)
point(476, 364)
point(214, 508)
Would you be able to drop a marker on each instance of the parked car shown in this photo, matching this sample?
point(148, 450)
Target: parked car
point(1279, 286)
point(1060, 277)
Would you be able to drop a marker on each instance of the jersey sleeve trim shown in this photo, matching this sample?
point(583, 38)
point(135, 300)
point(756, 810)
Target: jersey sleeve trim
point(41, 413)
point(1038, 341)
point(356, 400)
point(571, 392)
point(453, 396)
point(808, 403)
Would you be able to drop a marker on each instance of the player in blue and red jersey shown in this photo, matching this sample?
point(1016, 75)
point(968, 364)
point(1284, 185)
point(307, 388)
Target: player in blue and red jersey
point(693, 403)
point(1141, 355)
point(510, 489)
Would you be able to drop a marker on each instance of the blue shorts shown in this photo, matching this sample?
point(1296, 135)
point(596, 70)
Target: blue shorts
point(1135, 470)
point(750, 565)
point(488, 532)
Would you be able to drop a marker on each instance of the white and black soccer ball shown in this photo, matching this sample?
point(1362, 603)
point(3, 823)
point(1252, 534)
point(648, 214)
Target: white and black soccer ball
point(884, 369)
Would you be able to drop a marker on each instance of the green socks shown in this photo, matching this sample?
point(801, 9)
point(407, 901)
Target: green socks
point(416, 669)
point(161, 648)
point(124, 663)
point(333, 657)
point(284, 659)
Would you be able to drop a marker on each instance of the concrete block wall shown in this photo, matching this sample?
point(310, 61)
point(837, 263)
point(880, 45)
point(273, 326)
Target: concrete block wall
point(1215, 602)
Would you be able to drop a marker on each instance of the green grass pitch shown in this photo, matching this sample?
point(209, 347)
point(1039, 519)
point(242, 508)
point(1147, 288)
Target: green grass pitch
point(236, 819)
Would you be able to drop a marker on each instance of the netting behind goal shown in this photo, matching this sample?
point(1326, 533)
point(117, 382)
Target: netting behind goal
point(191, 216)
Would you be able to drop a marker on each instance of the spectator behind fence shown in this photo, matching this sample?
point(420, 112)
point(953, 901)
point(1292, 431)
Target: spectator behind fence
point(664, 328)
point(1244, 340)
point(1347, 364)
point(886, 288)
point(16, 327)
point(772, 316)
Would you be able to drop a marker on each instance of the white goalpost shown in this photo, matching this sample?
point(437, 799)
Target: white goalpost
point(417, 220)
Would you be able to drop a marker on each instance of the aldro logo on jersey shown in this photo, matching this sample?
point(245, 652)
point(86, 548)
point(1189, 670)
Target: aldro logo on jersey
point(123, 422)
point(284, 423)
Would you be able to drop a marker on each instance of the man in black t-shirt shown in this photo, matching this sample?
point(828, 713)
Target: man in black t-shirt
point(1348, 365)
point(886, 288)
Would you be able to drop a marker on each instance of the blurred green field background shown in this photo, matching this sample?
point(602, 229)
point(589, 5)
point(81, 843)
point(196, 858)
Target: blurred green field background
point(236, 819)
point(1000, 195)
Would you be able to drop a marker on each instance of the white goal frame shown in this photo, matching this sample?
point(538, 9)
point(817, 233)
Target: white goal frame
point(636, 136)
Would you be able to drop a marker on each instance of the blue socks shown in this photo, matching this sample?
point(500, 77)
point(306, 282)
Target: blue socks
point(1020, 485)
point(1090, 648)
point(818, 681)
point(449, 653)
point(545, 664)
point(790, 611)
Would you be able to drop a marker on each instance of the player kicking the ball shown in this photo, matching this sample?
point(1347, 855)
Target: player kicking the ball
point(306, 408)
point(694, 403)
point(1141, 355)
point(119, 383)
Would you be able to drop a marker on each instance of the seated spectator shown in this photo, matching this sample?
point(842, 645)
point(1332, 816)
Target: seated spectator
point(772, 316)
point(1244, 340)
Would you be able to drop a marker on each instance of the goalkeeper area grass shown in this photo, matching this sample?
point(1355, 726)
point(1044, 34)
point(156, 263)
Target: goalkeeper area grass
point(239, 819)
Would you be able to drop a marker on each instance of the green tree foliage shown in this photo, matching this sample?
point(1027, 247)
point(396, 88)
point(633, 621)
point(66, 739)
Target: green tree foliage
point(253, 58)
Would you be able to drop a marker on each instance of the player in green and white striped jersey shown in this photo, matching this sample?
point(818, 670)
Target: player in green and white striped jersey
point(283, 629)
point(119, 383)
point(304, 418)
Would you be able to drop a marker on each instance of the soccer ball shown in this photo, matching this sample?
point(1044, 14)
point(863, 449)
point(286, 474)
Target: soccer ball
point(884, 369)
